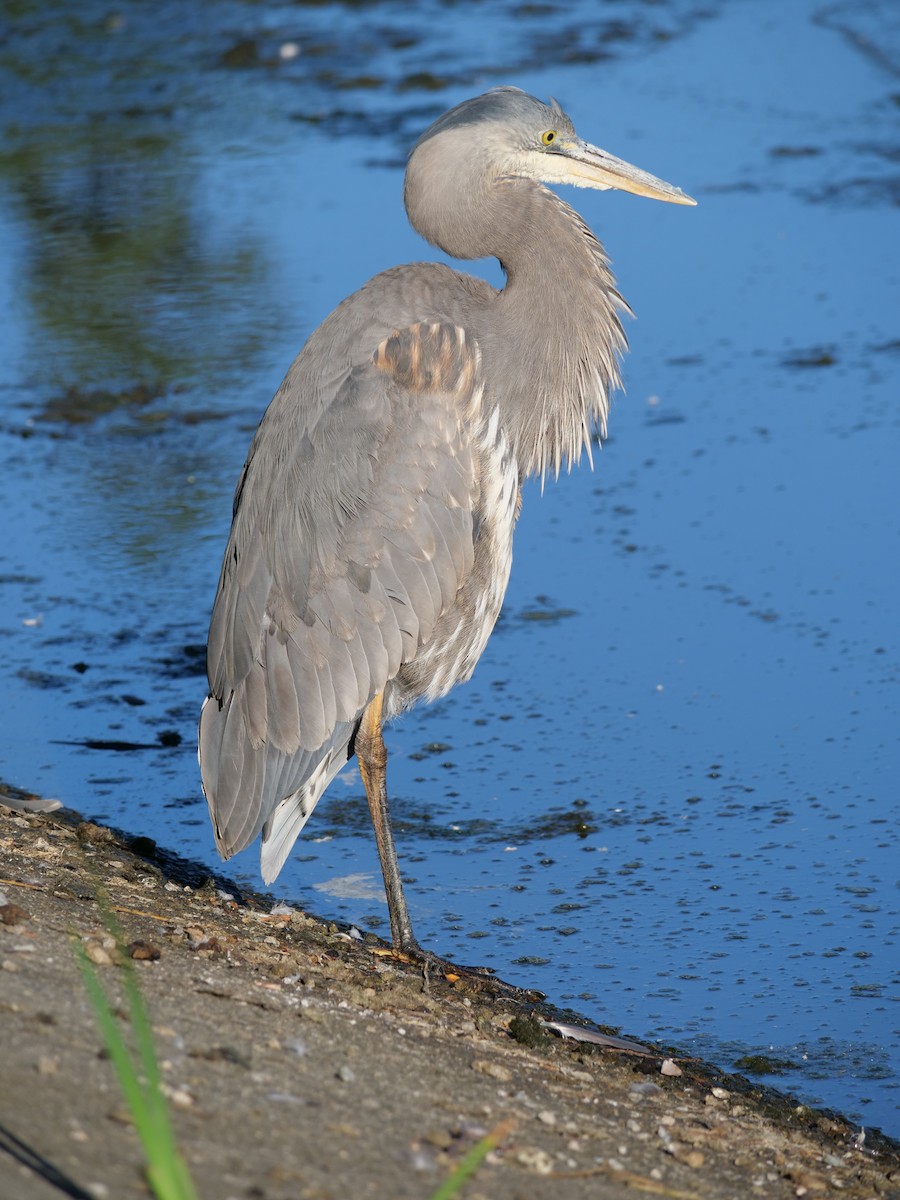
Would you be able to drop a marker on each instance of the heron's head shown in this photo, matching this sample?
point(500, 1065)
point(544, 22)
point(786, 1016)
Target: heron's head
point(506, 132)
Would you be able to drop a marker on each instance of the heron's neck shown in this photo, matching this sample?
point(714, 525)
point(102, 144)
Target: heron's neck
point(556, 338)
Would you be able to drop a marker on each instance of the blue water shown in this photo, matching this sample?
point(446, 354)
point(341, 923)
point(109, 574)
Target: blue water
point(669, 795)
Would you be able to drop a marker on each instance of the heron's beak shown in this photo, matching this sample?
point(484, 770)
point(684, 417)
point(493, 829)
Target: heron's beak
point(589, 166)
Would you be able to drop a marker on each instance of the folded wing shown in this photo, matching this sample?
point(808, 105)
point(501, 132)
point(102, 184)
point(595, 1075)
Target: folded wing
point(352, 534)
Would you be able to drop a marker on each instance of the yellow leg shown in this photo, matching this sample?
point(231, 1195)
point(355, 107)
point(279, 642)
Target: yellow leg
point(372, 756)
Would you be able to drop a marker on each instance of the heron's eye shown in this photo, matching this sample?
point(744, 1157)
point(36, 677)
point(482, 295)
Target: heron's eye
point(549, 137)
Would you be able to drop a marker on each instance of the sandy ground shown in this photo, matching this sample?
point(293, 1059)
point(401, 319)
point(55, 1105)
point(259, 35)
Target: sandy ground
point(303, 1064)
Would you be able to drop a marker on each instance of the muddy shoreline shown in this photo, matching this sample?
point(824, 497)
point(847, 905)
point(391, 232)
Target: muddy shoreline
point(302, 1063)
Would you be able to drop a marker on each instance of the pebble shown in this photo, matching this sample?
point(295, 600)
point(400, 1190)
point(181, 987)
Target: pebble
point(493, 1069)
point(646, 1088)
point(346, 1074)
point(98, 955)
point(12, 914)
point(806, 1181)
point(442, 1139)
point(686, 1155)
point(178, 1096)
point(546, 1117)
point(47, 1065)
point(144, 951)
point(581, 1076)
point(535, 1159)
point(421, 1158)
point(669, 1067)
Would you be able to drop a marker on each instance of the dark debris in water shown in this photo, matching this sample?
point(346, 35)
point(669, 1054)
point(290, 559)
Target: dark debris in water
point(18, 578)
point(424, 81)
point(795, 151)
point(862, 192)
point(371, 122)
point(189, 661)
point(814, 356)
point(43, 680)
point(116, 745)
point(246, 53)
point(665, 418)
point(397, 52)
point(430, 750)
point(763, 1064)
point(544, 610)
point(79, 406)
point(686, 360)
point(559, 823)
point(349, 816)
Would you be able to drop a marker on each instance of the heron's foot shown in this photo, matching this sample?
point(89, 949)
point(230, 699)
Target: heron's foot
point(482, 979)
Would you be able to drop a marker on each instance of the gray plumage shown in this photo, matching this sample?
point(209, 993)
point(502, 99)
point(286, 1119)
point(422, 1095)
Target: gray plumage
point(371, 541)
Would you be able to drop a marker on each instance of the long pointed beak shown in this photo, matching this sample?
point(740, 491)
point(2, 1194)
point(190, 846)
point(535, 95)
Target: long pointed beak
point(589, 166)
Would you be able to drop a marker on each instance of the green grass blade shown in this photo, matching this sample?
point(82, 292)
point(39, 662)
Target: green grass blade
point(141, 1085)
point(469, 1164)
point(167, 1164)
point(114, 1042)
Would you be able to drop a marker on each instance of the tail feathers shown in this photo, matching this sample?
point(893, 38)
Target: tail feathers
point(251, 787)
point(290, 815)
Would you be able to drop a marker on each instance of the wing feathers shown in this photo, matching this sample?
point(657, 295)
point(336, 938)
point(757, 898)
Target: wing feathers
point(352, 535)
point(285, 681)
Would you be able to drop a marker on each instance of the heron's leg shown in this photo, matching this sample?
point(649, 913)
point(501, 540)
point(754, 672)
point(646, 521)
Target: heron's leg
point(372, 756)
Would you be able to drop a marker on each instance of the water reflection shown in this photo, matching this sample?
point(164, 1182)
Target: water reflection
point(105, 202)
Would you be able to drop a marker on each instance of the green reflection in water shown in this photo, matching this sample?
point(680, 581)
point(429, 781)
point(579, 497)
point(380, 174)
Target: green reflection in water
point(121, 282)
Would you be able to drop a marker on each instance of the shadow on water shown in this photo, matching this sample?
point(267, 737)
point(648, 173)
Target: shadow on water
point(651, 804)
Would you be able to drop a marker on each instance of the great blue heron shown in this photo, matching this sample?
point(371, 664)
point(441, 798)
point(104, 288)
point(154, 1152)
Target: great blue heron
point(371, 540)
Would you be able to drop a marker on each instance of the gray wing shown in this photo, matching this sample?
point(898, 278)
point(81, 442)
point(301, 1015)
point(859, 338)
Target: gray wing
point(352, 533)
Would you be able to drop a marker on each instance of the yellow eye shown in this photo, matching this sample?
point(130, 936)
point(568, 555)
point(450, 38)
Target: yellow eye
point(549, 137)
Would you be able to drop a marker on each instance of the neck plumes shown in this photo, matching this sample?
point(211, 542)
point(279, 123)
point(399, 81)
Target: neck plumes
point(556, 338)
point(552, 339)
